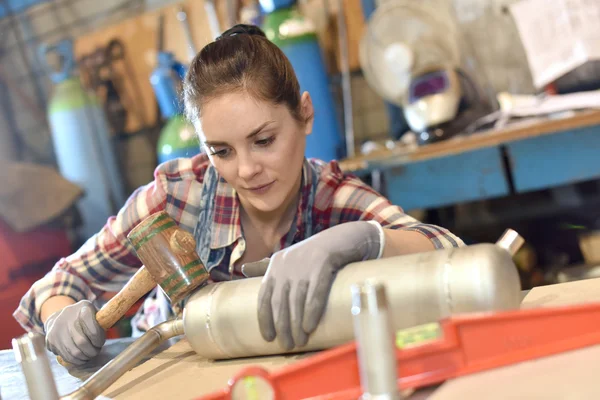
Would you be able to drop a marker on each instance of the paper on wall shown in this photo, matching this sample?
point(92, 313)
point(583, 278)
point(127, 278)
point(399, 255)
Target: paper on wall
point(558, 35)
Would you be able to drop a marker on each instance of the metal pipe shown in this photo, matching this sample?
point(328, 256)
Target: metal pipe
point(375, 342)
point(187, 30)
point(114, 369)
point(422, 288)
point(213, 19)
point(232, 12)
point(346, 80)
point(30, 352)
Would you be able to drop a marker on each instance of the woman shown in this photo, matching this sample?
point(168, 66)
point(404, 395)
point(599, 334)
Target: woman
point(252, 195)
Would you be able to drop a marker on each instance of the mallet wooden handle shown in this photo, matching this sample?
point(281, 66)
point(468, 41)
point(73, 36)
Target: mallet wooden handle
point(140, 284)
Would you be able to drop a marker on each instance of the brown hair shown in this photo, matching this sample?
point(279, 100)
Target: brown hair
point(241, 59)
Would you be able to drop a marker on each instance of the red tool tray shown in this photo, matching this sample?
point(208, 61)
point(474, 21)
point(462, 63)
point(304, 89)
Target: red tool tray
point(429, 354)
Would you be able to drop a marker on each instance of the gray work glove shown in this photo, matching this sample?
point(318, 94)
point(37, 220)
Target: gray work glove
point(296, 284)
point(74, 334)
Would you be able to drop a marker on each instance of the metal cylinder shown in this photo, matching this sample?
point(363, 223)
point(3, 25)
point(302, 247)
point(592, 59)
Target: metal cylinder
point(83, 144)
point(30, 352)
point(297, 37)
point(421, 288)
point(375, 342)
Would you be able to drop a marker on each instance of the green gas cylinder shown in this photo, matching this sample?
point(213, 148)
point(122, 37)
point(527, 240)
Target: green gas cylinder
point(82, 143)
point(177, 139)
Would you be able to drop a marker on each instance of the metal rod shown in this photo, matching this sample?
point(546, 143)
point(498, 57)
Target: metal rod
point(231, 12)
point(113, 370)
point(213, 19)
point(346, 80)
point(185, 24)
point(375, 342)
point(30, 352)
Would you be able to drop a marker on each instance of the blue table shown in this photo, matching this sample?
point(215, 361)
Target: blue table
point(522, 158)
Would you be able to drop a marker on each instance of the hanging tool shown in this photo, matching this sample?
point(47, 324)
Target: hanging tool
point(433, 353)
point(183, 18)
point(113, 106)
point(100, 72)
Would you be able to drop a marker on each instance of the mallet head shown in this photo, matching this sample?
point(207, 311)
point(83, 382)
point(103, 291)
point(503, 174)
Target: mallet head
point(169, 254)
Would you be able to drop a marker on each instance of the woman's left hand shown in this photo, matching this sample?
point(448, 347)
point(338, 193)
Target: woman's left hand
point(295, 287)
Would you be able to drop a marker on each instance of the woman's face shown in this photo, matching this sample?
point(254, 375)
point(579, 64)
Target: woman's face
point(257, 147)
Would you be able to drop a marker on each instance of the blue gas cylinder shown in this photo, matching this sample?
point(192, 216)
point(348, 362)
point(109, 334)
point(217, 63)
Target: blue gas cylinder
point(166, 82)
point(177, 138)
point(296, 37)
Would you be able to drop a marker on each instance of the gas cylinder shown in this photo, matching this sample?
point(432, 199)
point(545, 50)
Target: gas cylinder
point(177, 138)
point(166, 82)
point(82, 142)
point(296, 36)
point(421, 288)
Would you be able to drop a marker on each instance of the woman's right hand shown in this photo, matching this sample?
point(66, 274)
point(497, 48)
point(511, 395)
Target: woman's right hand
point(74, 334)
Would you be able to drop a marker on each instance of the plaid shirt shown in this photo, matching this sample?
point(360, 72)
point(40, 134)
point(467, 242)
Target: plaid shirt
point(202, 203)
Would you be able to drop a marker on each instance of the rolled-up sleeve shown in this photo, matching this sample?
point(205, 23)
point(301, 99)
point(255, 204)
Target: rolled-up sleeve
point(353, 200)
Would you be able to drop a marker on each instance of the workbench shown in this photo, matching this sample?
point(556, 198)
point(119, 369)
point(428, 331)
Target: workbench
point(177, 372)
point(530, 155)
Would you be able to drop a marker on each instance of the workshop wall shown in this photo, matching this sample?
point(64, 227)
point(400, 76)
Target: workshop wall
point(493, 53)
point(135, 23)
point(493, 41)
point(496, 55)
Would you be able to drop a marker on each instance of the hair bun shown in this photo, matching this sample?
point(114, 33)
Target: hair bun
point(242, 29)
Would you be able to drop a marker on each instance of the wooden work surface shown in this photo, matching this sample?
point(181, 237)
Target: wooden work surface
point(461, 144)
point(178, 373)
point(570, 375)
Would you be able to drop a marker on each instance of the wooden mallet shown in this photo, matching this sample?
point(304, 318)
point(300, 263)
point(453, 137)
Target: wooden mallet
point(170, 260)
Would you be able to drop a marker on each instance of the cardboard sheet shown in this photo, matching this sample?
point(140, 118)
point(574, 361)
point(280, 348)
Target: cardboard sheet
point(178, 373)
point(570, 375)
point(563, 294)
